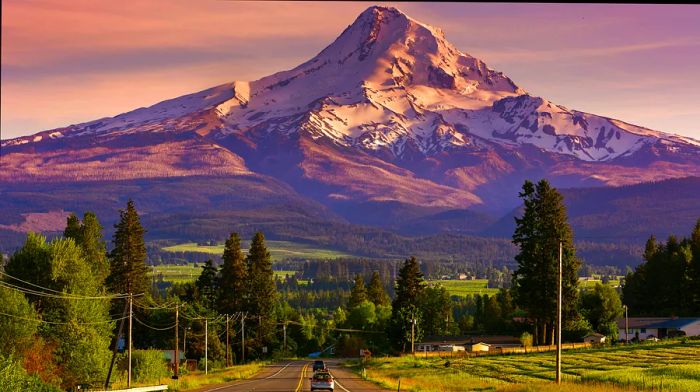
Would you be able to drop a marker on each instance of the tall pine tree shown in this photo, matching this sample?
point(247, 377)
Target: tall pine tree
point(128, 270)
point(406, 305)
point(207, 284)
point(262, 294)
point(358, 294)
point(233, 277)
point(538, 234)
point(376, 292)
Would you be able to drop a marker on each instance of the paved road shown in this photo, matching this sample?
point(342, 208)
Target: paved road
point(293, 376)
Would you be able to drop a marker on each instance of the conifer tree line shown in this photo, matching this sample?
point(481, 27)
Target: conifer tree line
point(63, 300)
point(667, 283)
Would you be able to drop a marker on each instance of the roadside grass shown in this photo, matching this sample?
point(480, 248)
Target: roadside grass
point(279, 250)
point(465, 287)
point(667, 365)
point(196, 379)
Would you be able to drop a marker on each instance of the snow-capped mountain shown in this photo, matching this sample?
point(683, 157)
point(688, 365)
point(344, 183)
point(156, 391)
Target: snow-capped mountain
point(388, 112)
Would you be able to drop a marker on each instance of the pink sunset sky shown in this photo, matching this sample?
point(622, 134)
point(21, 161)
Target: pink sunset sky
point(66, 62)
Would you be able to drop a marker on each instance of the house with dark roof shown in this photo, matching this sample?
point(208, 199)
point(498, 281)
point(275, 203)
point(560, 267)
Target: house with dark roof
point(438, 343)
point(642, 328)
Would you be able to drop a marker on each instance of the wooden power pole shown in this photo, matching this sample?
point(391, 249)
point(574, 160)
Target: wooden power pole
point(177, 353)
point(242, 337)
point(228, 355)
point(131, 314)
point(558, 377)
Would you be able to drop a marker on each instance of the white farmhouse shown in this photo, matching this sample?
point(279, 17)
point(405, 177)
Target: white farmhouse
point(642, 328)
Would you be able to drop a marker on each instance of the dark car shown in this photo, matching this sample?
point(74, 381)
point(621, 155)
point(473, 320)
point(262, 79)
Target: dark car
point(319, 365)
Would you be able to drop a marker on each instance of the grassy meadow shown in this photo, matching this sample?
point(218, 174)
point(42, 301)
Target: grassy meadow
point(662, 366)
point(464, 287)
point(190, 272)
point(279, 250)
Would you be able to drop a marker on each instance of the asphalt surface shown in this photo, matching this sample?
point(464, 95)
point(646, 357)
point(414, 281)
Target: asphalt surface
point(293, 376)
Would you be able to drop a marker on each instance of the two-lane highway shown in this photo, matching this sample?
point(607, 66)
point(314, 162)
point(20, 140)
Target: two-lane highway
point(293, 376)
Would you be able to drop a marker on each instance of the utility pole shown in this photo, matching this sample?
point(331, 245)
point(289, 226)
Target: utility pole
point(284, 328)
point(227, 342)
point(627, 339)
point(206, 346)
point(131, 314)
point(558, 376)
point(413, 327)
point(177, 354)
point(242, 337)
point(116, 343)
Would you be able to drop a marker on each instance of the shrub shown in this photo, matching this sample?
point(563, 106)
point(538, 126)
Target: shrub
point(14, 378)
point(526, 339)
point(146, 365)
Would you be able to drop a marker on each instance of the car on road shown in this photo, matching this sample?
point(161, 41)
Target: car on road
point(322, 380)
point(319, 365)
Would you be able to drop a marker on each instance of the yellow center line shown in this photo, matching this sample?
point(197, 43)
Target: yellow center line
point(301, 378)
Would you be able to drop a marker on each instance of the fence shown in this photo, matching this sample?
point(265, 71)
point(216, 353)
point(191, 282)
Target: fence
point(500, 351)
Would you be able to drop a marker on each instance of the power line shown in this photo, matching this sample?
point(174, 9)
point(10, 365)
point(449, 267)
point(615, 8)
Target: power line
point(58, 294)
point(61, 323)
point(168, 306)
point(50, 295)
point(152, 327)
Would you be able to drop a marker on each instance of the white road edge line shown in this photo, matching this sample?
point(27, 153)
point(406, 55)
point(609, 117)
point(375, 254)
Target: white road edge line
point(335, 380)
point(249, 381)
point(341, 386)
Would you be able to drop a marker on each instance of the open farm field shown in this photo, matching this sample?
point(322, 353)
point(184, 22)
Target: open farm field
point(663, 366)
point(279, 250)
point(464, 287)
point(190, 272)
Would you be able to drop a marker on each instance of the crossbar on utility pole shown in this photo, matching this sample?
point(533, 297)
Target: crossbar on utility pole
point(131, 314)
point(558, 376)
point(177, 353)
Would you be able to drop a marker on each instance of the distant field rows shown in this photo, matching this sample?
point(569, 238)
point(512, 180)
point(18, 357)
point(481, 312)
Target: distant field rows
point(465, 287)
point(190, 272)
point(279, 250)
point(667, 366)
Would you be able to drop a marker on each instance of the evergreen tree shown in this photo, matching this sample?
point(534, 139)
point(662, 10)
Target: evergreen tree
point(128, 271)
point(72, 227)
point(376, 292)
point(538, 234)
point(665, 284)
point(262, 294)
point(358, 294)
point(437, 311)
point(94, 247)
point(233, 277)
point(694, 271)
point(406, 305)
point(207, 284)
point(409, 285)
